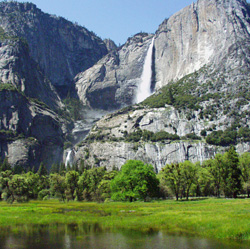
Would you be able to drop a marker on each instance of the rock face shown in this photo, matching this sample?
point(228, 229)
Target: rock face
point(110, 154)
point(62, 49)
point(112, 82)
point(200, 34)
point(114, 150)
point(201, 72)
point(40, 55)
point(19, 69)
point(30, 132)
point(110, 44)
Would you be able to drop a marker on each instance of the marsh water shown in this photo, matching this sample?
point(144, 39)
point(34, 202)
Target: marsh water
point(74, 236)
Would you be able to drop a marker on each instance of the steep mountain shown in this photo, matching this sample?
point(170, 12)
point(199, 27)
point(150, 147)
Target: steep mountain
point(110, 44)
point(112, 82)
point(201, 75)
point(40, 55)
point(202, 33)
point(19, 69)
point(30, 132)
point(61, 49)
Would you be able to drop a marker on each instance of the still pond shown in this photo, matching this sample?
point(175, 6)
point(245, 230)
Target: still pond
point(86, 236)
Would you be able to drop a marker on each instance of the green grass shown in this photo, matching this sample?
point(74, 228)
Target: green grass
point(210, 218)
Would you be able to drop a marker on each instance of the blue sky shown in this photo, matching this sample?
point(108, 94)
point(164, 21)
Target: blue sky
point(114, 19)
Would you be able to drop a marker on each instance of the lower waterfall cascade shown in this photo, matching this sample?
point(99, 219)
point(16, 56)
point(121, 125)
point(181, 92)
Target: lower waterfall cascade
point(144, 87)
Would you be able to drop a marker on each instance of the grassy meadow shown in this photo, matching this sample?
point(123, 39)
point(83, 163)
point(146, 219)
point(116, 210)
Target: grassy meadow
point(209, 218)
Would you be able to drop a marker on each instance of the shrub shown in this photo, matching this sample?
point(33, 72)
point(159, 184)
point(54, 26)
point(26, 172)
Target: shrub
point(192, 136)
point(203, 133)
point(7, 87)
point(222, 138)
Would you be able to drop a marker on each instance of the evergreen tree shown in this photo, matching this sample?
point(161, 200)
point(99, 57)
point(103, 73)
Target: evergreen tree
point(42, 171)
point(58, 186)
point(232, 174)
point(5, 165)
point(54, 168)
point(82, 166)
point(62, 169)
point(71, 181)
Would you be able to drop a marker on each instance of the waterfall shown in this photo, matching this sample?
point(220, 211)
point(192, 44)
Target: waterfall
point(144, 87)
point(69, 158)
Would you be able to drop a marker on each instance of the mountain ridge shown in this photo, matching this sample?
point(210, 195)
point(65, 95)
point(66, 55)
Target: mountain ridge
point(62, 49)
point(200, 75)
point(205, 72)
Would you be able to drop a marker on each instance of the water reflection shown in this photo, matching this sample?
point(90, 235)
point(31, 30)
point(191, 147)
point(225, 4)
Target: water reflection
point(91, 236)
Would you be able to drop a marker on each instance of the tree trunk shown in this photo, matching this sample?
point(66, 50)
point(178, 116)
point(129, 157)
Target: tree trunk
point(187, 194)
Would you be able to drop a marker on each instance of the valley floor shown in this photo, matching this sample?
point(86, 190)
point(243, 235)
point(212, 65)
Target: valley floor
point(208, 218)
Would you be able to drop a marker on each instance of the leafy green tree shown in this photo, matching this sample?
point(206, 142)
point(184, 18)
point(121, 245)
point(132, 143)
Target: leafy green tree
point(244, 163)
point(32, 181)
point(14, 187)
point(19, 188)
point(216, 167)
point(7, 194)
point(58, 186)
point(172, 175)
point(71, 181)
point(244, 134)
point(75, 167)
point(205, 180)
point(104, 189)
point(136, 180)
point(89, 181)
point(43, 194)
point(189, 175)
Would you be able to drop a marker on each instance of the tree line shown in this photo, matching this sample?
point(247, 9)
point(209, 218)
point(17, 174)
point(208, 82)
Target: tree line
point(225, 175)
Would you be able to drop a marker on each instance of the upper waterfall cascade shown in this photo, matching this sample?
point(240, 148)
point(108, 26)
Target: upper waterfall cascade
point(144, 87)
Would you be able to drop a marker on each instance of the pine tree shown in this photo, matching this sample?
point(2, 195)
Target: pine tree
point(42, 171)
point(5, 165)
point(232, 174)
point(54, 168)
point(62, 169)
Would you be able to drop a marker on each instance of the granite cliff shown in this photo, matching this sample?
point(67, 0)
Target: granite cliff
point(112, 82)
point(30, 131)
point(40, 54)
point(199, 82)
point(200, 106)
point(61, 49)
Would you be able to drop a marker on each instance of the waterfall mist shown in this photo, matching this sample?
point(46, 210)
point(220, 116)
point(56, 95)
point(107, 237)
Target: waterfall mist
point(144, 87)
